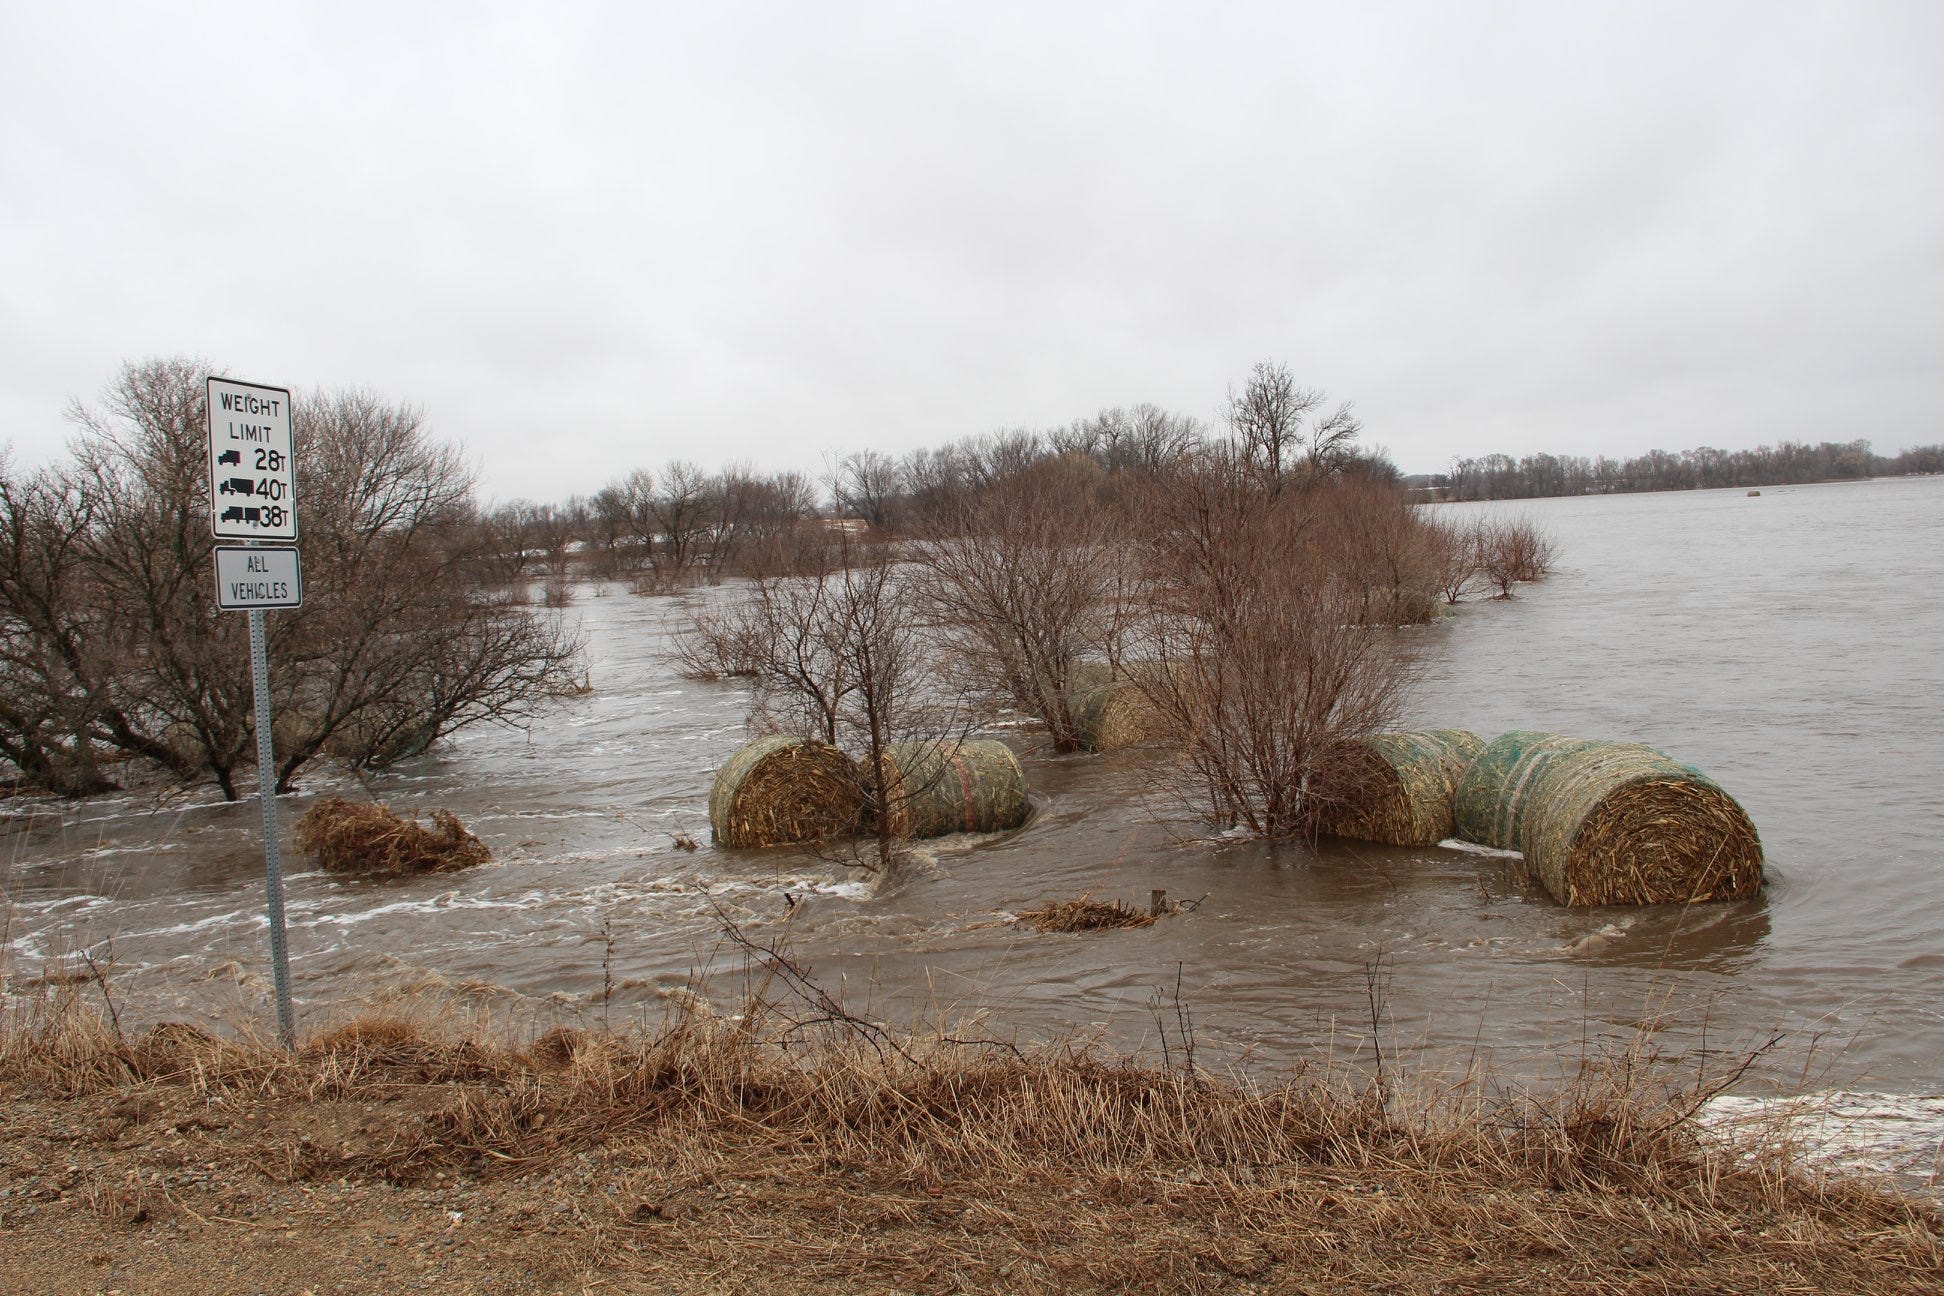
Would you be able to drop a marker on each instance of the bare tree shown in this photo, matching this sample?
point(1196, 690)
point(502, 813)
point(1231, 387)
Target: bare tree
point(397, 643)
point(1279, 427)
point(867, 485)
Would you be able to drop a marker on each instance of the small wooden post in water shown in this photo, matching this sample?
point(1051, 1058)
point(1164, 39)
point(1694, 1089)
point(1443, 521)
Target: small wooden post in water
point(1157, 903)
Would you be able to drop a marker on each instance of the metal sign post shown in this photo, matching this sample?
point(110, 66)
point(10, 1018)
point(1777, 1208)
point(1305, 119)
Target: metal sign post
point(267, 796)
point(253, 498)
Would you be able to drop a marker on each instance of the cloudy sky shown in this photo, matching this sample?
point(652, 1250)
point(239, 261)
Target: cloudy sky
point(586, 238)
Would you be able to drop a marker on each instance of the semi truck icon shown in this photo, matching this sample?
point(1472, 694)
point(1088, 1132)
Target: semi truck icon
point(230, 457)
point(237, 486)
point(237, 513)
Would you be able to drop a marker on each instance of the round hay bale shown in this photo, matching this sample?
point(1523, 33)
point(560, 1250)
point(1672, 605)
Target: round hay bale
point(1397, 788)
point(783, 791)
point(939, 788)
point(1609, 823)
point(1109, 709)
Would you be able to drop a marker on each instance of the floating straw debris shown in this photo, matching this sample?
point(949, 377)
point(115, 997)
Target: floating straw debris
point(364, 837)
point(935, 788)
point(1397, 788)
point(781, 791)
point(1609, 823)
point(1084, 915)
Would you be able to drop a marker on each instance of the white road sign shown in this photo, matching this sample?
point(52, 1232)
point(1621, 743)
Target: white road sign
point(252, 478)
point(257, 578)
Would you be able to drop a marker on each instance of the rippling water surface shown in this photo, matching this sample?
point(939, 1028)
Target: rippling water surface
point(1788, 644)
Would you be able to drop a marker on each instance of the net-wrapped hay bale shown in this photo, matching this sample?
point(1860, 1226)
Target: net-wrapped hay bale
point(1397, 788)
point(1609, 823)
point(935, 788)
point(1494, 791)
point(783, 791)
point(364, 837)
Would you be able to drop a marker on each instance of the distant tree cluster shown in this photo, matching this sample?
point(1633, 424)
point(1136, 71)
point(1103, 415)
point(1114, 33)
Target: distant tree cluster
point(112, 649)
point(1499, 476)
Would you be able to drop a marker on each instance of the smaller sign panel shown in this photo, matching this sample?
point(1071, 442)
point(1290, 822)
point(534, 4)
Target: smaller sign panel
point(257, 578)
point(252, 479)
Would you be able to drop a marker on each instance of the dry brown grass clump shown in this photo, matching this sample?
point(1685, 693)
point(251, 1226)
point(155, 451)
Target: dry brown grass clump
point(1084, 915)
point(1609, 823)
point(1397, 788)
point(781, 791)
point(344, 836)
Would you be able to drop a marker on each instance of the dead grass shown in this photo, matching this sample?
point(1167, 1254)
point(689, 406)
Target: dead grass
point(806, 1149)
point(345, 836)
point(1084, 915)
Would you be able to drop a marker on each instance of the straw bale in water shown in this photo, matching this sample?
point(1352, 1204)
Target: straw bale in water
point(1609, 823)
point(937, 788)
point(1109, 709)
point(1397, 788)
point(365, 837)
point(780, 791)
point(1084, 915)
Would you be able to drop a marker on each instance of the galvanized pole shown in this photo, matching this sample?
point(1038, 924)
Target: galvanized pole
point(267, 795)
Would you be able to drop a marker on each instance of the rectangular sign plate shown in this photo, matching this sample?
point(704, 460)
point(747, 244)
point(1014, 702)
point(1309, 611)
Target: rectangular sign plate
point(257, 578)
point(252, 477)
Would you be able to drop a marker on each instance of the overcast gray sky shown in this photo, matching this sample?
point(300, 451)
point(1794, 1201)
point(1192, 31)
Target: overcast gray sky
point(592, 237)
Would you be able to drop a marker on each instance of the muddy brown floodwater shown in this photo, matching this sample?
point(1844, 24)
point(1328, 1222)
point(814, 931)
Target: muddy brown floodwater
point(1787, 644)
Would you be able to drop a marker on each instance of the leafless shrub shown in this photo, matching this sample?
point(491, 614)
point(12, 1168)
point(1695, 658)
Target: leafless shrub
point(558, 592)
point(1266, 662)
point(1455, 561)
point(1511, 551)
point(1382, 547)
point(720, 643)
point(1018, 580)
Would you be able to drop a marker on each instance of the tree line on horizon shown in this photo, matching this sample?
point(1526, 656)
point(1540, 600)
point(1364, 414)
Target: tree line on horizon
point(1787, 463)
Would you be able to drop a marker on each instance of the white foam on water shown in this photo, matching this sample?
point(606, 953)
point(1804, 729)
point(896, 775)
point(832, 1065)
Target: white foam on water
point(1473, 848)
point(1900, 1135)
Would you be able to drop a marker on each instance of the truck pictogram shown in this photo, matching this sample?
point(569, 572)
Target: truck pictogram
point(237, 486)
point(230, 457)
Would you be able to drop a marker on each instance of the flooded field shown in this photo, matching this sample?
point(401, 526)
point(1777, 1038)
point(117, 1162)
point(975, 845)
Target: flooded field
point(1787, 644)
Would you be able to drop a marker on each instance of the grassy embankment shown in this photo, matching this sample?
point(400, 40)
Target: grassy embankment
point(797, 1149)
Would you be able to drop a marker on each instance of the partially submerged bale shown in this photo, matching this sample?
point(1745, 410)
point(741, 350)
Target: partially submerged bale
point(1609, 823)
point(1084, 915)
point(1397, 788)
point(344, 836)
point(782, 791)
point(1109, 708)
point(935, 788)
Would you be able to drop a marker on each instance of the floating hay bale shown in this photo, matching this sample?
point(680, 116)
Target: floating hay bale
point(365, 837)
point(1084, 915)
point(938, 788)
point(1609, 823)
point(1397, 788)
point(781, 791)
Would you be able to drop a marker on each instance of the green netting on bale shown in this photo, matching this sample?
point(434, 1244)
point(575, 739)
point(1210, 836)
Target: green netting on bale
point(1397, 788)
point(1609, 823)
point(939, 788)
point(784, 791)
point(1496, 786)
